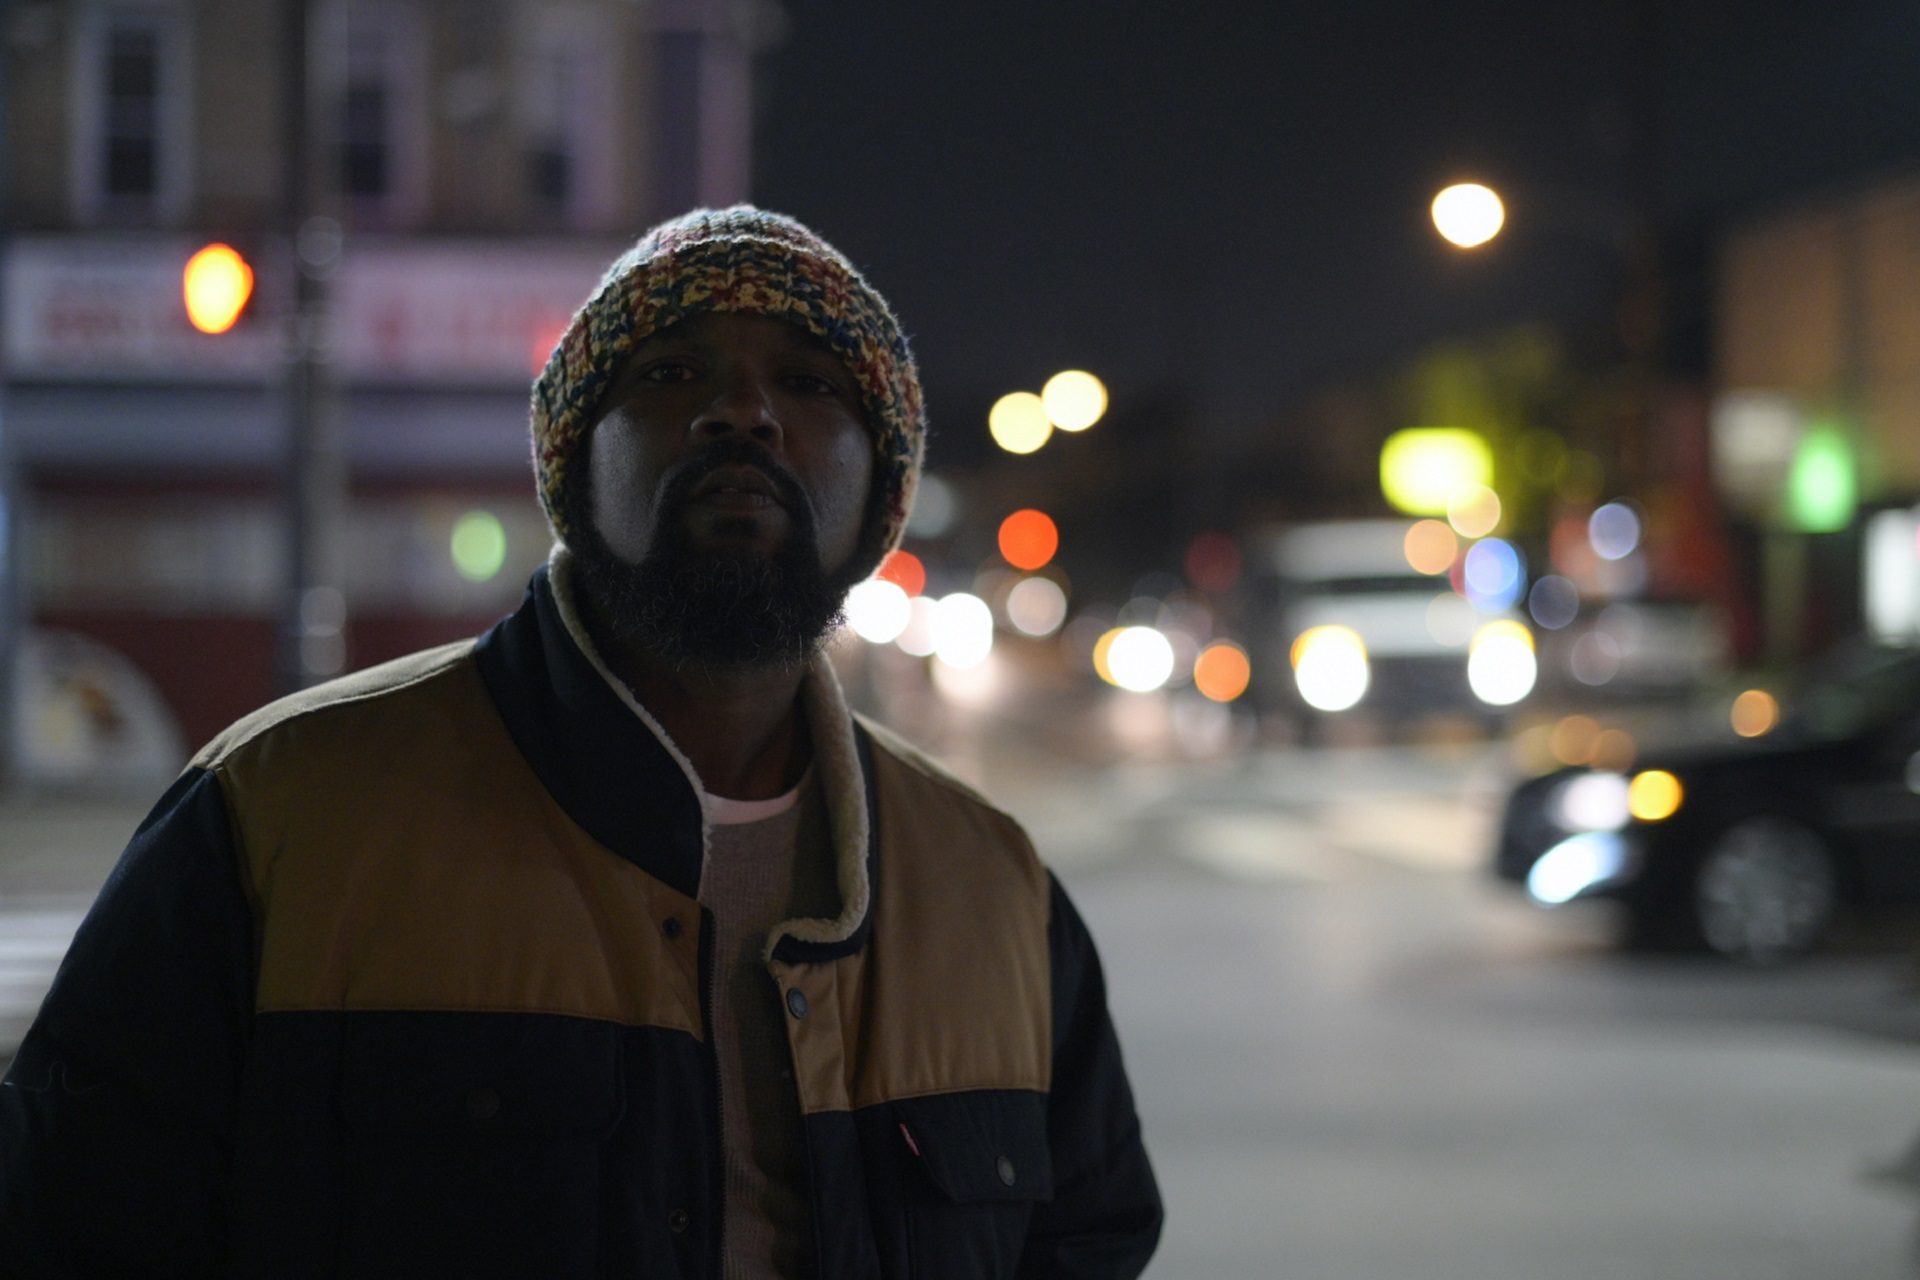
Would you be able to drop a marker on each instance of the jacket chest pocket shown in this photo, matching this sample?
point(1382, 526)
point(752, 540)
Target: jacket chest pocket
point(983, 1163)
point(473, 1142)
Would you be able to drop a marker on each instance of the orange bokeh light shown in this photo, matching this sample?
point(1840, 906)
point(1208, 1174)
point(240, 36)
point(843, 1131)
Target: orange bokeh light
point(216, 285)
point(1028, 539)
point(1431, 546)
point(904, 570)
point(1222, 671)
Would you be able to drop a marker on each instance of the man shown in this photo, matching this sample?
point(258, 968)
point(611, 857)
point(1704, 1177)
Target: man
point(609, 943)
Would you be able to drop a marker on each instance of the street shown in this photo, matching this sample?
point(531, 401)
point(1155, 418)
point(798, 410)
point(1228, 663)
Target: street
point(1357, 1057)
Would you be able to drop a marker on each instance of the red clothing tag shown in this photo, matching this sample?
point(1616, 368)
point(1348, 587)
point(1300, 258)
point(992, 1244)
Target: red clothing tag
point(911, 1144)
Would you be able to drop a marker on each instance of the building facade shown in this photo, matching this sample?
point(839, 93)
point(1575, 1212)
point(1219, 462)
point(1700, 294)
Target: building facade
point(469, 168)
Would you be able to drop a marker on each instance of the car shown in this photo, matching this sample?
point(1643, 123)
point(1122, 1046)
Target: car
point(1750, 848)
point(1362, 630)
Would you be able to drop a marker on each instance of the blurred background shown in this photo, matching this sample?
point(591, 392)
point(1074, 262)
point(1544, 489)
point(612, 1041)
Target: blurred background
point(1422, 523)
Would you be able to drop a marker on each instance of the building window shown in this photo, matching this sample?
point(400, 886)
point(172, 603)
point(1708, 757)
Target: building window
point(370, 60)
point(130, 115)
point(131, 139)
point(566, 109)
point(366, 119)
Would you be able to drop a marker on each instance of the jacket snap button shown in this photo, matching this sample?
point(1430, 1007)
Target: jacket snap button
point(796, 1002)
point(1004, 1167)
point(677, 1221)
point(671, 927)
point(482, 1104)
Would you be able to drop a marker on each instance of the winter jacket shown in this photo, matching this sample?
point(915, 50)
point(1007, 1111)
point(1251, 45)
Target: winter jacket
point(407, 975)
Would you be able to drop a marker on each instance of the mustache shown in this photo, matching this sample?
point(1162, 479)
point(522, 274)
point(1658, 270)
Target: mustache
point(677, 491)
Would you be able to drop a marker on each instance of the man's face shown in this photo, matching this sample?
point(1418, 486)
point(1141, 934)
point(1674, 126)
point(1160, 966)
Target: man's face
point(726, 491)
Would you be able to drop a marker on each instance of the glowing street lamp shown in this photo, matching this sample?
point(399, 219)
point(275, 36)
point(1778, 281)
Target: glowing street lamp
point(1468, 214)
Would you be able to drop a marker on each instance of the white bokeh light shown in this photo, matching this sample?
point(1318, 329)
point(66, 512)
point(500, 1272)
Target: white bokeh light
point(962, 630)
point(1331, 669)
point(1501, 668)
point(922, 631)
point(1036, 606)
point(1140, 659)
point(878, 611)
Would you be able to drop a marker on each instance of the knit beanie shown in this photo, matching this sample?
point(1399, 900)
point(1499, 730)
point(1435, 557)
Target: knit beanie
point(739, 259)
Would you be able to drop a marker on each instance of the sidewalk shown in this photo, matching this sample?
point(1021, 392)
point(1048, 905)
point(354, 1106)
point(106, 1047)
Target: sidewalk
point(55, 852)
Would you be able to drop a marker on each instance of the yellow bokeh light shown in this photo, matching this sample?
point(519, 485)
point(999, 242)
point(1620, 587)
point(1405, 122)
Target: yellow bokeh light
point(1331, 635)
point(1573, 738)
point(216, 285)
point(1468, 214)
point(1430, 546)
point(1654, 796)
point(1755, 712)
point(1503, 631)
point(1422, 468)
point(1101, 648)
point(1474, 512)
point(1074, 399)
point(1222, 671)
point(1018, 422)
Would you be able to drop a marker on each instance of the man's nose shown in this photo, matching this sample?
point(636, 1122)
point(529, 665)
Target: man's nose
point(743, 404)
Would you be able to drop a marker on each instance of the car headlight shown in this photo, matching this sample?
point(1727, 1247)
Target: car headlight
point(1501, 667)
point(1596, 801)
point(1330, 667)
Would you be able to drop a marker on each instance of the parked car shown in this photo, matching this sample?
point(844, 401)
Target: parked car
point(1747, 848)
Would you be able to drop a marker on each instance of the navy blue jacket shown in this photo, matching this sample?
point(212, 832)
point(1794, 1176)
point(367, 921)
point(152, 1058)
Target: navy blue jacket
point(407, 976)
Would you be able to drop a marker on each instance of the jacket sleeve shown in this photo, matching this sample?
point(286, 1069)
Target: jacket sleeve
point(116, 1117)
point(1104, 1218)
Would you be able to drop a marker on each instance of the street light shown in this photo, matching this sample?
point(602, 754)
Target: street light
point(1468, 214)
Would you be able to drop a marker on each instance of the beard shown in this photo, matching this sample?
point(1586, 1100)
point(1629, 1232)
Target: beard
point(712, 609)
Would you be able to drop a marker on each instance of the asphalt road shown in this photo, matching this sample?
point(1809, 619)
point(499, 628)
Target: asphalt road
point(1357, 1058)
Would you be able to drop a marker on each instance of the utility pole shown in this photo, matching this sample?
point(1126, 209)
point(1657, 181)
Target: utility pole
point(313, 610)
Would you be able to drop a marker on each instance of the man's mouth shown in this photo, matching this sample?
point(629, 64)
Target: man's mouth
point(737, 488)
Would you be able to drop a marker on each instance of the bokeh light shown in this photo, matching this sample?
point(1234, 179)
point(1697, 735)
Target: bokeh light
point(1572, 739)
point(1422, 468)
point(1595, 659)
point(216, 285)
point(1501, 667)
point(962, 630)
point(1036, 606)
point(1074, 399)
point(935, 508)
point(904, 570)
point(1494, 575)
point(1755, 713)
point(1222, 671)
point(1468, 214)
point(1614, 531)
point(1554, 602)
point(1018, 422)
point(1474, 512)
point(878, 610)
point(1028, 539)
point(1451, 620)
point(1823, 489)
point(1654, 796)
point(922, 634)
point(1330, 667)
point(1139, 659)
point(479, 546)
point(1430, 546)
point(1614, 749)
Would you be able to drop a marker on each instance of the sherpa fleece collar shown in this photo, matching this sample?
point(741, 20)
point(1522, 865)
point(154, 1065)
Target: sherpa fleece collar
point(613, 768)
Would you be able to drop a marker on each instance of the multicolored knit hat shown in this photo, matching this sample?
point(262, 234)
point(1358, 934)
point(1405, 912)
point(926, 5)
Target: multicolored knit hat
point(748, 260)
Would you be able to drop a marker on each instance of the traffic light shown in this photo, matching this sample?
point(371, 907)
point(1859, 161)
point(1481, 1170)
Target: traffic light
point(216, 284)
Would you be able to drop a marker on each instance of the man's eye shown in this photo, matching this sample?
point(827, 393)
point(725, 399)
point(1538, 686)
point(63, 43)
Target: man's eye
point(667, 371)
point(814, 384)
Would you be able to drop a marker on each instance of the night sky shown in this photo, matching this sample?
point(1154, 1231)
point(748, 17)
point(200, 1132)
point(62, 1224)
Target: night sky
point(1225, 204)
